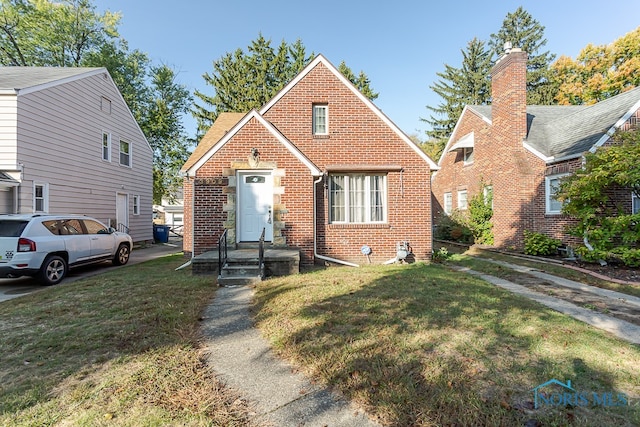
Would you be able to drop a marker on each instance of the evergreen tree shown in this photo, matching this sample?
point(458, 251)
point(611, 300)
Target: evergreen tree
point(243, 81)
point(522, 31)
point(458, 87)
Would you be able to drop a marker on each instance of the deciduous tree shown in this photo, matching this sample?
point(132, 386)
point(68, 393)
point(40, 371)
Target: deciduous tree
point(599, 72)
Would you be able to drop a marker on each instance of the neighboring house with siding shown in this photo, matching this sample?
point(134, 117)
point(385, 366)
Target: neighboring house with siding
point(319, 168)
point(69, 144)
point(518, 153)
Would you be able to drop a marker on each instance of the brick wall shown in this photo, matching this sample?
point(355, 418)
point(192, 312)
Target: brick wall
point(356, 137)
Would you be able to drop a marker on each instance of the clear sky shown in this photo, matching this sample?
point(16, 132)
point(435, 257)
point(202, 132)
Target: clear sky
point(400, 45)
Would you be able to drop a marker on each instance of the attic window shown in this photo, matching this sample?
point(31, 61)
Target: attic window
point(320, 119)
point(105, 105)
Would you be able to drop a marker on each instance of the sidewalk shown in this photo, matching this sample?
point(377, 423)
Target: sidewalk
point(620, 328)
point(243, 360)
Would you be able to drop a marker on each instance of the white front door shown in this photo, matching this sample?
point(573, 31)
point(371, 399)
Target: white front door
point(122, 211)
point(255, 206)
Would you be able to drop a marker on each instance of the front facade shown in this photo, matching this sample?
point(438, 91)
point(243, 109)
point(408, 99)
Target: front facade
point(69, 144)
point(518, 153)
point(318, 168)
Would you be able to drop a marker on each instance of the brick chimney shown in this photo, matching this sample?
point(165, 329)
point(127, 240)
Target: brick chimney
point(509, 96)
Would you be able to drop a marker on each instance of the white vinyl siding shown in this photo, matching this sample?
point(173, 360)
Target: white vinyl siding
point(448, 203)
point(357, 198)
point(462, 200)
point(55, 125)
point(551, 184)
point(320, 119)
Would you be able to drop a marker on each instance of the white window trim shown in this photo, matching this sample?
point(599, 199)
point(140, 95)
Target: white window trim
point(466, 153)
point(466, 200)
point(45, 196)
point(102, 147)
point(130, 153)
point(547, 193)
point(136, 204)
point(448, 197)
point(485, 193)
point(635, 200)
point(347, 206)
point(326, 119)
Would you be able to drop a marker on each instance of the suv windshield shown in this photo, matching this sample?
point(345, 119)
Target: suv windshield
point(12, 228)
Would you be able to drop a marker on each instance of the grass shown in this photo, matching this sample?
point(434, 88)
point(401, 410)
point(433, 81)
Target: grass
point(416, 345)
point(473, 259)
point(118, 349)
point(422, 345)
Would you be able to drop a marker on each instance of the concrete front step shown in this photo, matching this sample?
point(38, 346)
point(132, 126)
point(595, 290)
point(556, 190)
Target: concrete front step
point(240, 273)
point(238, 280)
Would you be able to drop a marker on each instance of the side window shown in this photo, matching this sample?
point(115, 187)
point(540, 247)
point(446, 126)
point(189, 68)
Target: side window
point(635, 203)
point(136, 205)
point(106, 146)
point(125, 153)
point(462, 200)
point(40, 197)
point(52, 226)
point(552, 183)
point(448, 203)
point(321, 119)
point(467, 155)
point(94, 227)
point(71, 227)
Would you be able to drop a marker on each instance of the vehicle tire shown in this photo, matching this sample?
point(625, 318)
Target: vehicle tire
point(53, 270)
point(122, 255)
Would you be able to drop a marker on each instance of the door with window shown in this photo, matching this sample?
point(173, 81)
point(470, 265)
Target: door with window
point(255, 206)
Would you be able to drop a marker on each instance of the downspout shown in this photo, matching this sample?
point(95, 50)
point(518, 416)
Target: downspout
point(193, 199)
point(315, 243)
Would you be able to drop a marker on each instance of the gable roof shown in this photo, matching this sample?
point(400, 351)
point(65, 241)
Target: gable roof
point(321, 59)
point(224, 122)
point(559, 132)
point(253, 114)
point(15, 80)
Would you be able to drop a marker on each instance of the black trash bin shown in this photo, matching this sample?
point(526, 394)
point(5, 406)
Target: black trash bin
point(161, 233)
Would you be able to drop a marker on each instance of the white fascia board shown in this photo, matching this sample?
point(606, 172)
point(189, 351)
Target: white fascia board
point(615, 127)
point(53, 83)
point(254, 114)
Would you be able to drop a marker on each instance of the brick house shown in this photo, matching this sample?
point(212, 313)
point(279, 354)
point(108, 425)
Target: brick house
point(319, 168)
point(518, 153)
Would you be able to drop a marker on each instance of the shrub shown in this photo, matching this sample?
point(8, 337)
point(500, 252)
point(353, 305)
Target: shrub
point(540, 244)
point(441, 255)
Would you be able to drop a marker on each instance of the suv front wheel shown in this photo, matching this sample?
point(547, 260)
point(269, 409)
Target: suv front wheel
point(53, 270)
point(122, 254)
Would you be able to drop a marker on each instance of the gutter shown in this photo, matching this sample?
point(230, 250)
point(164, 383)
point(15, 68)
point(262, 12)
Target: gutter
point(315, 243)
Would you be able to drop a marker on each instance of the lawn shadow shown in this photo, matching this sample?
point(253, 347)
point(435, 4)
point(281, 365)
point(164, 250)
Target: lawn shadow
point(420, 344)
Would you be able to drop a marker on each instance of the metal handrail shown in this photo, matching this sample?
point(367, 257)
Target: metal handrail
point(123, 228)
point(222, 251)
point(261, 254)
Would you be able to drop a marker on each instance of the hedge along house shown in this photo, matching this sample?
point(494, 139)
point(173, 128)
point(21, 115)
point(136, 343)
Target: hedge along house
point(519, 153)
point(320, 168)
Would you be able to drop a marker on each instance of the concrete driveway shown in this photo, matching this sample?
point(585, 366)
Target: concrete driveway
point(13, 288)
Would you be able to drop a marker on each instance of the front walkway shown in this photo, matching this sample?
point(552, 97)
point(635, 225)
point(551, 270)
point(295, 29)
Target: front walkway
point(621, 328)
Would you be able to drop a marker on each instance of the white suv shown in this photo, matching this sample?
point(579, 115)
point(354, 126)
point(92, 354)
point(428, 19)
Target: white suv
point(46, 246)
